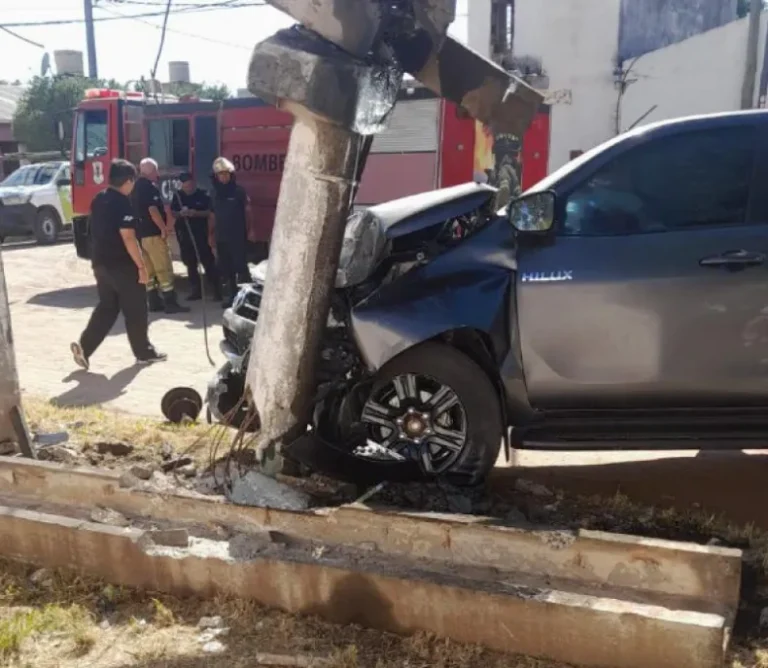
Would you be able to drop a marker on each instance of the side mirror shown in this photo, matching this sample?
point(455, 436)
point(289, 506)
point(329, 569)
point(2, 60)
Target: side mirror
point(63, 182)
point(534, 213)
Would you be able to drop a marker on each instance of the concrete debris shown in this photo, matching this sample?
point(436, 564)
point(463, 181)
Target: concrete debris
point(174, 464)
point(47, 440)
point(216, 622)
point(211, 635)
point(460, 504)
point(159, 482)
point(166, 451)
point(249, 546)
point(59, 453)
point(188, 471)
point(516, 517)
point(528, 487)
point(105, 625)
point(167, 537)
point(42, 577)
point(7, 448)
point(115, 449)
point(142, 471)
point(257, 489)
point(108, 516)
point(128, 480)
point(214, 647)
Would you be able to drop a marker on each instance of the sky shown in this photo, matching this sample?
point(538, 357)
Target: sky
point(217, 43)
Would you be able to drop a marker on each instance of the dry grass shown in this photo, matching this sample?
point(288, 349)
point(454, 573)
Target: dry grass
point(89, 426)
point(58, 624)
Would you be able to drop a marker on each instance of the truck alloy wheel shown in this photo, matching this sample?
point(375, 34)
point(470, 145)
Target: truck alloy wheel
point(47, 226)
point(433, 405)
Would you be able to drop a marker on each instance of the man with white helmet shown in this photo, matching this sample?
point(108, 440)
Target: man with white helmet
point(229, 227)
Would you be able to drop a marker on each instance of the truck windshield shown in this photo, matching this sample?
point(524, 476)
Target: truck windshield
point(91, 134)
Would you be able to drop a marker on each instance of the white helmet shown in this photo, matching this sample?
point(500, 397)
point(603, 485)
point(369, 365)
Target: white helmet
point(221, 164)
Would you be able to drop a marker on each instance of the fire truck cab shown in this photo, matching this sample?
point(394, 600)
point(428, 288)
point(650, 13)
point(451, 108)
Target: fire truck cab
point(430, 143)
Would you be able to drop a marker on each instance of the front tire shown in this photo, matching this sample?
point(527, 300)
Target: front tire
point(434, 405)
point(47, 226)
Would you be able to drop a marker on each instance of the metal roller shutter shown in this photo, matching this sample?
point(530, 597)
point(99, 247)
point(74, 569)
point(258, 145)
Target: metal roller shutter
point(413, 128)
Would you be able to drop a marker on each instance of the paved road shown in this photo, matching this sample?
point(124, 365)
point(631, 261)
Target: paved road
point(51, 293)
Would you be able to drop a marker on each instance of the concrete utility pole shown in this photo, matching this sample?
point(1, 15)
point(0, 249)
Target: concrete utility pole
point(10, 399)
point(750, 69)
point(339, 75)
point(90, 38)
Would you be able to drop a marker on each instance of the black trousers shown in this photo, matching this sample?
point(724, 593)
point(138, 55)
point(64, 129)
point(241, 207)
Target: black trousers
point(119, 291)
point(187, 245)
point(233, 262)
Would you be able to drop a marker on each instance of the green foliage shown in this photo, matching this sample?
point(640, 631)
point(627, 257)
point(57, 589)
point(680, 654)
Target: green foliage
point(203, 91)
point(46, 101)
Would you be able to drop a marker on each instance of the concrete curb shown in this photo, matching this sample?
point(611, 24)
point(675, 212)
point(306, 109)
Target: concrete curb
point(390, 595)
point(709, 577)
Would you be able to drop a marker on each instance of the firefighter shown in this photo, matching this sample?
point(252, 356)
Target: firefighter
point(153, 230)
point(191, 207)
point(506, 153)
point(119, 271)
point(228, 227)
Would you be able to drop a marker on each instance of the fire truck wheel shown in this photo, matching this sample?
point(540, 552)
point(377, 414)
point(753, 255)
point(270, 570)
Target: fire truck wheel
point(47, 226)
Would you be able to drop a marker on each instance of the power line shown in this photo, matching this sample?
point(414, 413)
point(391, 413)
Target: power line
point(184, 10)
point(162, 39)
point(179, 32)
point(21, 37)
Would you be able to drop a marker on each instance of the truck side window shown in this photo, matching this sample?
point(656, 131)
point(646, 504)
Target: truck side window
point(91, 134)
point(694, 179)
point(169, 142)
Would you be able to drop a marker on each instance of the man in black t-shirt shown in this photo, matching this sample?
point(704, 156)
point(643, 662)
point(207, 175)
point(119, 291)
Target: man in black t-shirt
point(191, 207)
point(119, 271)
point(153, 230)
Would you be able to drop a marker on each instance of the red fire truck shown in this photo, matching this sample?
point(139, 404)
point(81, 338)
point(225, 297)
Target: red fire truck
point(429, 143)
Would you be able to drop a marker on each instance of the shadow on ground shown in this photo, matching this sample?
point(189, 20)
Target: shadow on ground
point(728, 483)
point(96, 388)
point(84, 297)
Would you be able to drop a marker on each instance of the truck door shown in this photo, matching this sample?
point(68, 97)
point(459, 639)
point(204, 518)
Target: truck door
point(654, 291)
point(95, 146)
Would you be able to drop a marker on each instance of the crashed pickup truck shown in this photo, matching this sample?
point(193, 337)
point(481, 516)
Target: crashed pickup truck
point(621, 303)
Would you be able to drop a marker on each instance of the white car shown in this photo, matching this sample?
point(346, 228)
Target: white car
point(36, 199)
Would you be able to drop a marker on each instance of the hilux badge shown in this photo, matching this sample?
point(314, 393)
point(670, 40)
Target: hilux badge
point(547, 277)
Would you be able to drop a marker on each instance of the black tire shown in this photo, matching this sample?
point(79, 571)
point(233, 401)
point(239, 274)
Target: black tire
point(47, 226)
point(477, 395)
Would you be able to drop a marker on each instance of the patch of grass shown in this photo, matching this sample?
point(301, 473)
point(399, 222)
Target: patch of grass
point(90, 425)
point(72, 621)
point(163, 616)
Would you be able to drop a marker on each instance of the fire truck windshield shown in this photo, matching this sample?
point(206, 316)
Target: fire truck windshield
point(91, 134)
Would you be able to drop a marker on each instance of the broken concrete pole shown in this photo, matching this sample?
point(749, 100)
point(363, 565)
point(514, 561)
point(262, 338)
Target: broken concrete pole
point(336, 100)
point(9, 379)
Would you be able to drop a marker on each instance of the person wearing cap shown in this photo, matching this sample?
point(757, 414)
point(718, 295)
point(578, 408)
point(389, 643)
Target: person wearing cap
point(191, 207)
point(229, 228)
point(153, 230)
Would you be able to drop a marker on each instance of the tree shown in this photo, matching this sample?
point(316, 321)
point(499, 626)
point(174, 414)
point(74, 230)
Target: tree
point(46, 101)
point(204, 91)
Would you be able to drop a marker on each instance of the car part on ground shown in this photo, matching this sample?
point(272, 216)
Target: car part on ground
point(181, 403)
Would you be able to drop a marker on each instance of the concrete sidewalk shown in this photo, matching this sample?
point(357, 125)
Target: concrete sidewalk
point(52, 293)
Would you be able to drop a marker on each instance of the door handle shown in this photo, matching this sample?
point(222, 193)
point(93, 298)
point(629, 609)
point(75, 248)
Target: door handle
point(738, 259)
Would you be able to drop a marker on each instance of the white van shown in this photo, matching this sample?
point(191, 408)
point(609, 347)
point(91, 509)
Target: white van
point(36, 199)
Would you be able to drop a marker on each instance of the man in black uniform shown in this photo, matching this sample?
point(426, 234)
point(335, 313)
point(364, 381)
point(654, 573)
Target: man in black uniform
point(153, 231)
point(119, 271)
point(191, 207)
point(230, 227)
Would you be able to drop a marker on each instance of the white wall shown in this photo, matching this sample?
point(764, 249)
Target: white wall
point(479, 27)
point(700, 75)
point(577, 42)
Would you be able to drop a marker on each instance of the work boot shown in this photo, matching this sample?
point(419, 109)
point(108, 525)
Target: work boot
point(155, 301)
point(195, 294)
point(172, 303)
point(152, 356)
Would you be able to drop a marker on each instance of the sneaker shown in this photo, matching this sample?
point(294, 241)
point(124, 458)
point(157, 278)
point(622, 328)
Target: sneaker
point(152, 357)
point(79, 356)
